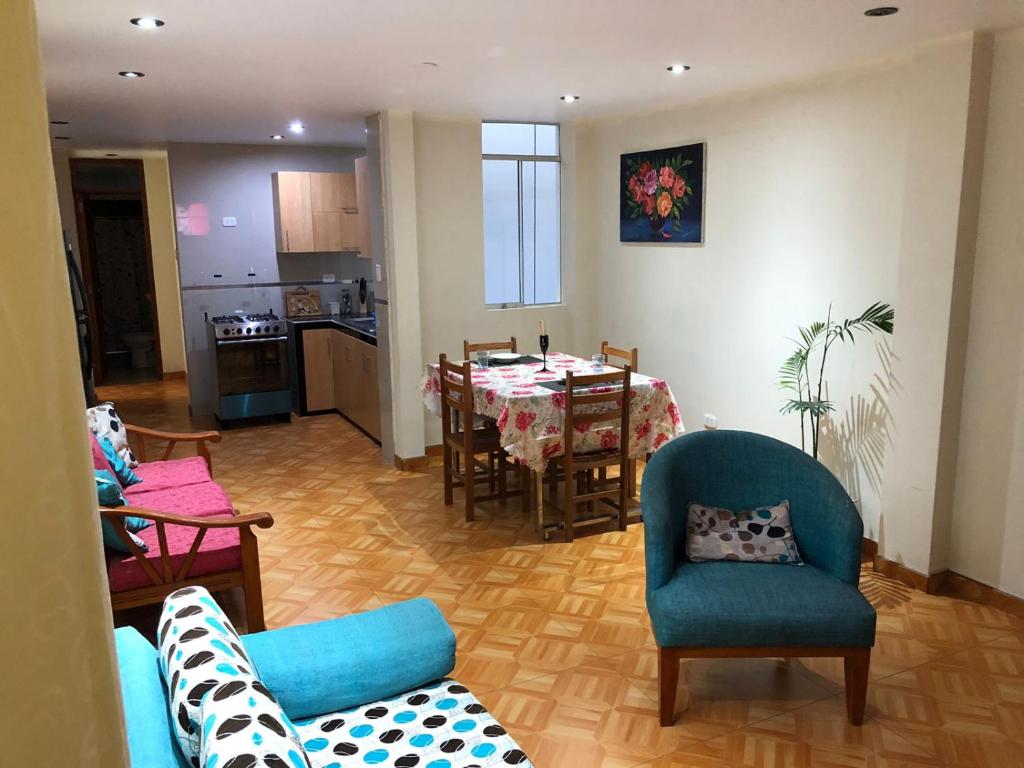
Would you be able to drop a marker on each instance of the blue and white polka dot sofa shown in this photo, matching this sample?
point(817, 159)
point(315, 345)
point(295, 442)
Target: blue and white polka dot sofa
point(369, 689)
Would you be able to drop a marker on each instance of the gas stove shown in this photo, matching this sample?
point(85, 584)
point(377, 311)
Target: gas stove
point(254, 326)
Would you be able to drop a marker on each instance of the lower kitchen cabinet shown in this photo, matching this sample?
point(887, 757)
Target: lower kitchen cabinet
point(316, 349)
point(341, 373)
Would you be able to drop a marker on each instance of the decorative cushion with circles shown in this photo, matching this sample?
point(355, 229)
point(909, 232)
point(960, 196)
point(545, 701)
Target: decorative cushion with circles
point(223, 716)
point(762, 535)
point(441, 725)
point(104, 422)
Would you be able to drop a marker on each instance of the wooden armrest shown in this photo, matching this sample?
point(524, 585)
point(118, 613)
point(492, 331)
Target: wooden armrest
point(259, 519)
point(173, 438)
point(211, 435)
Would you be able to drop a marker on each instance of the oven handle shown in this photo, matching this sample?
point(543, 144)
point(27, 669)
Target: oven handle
point(257, 340)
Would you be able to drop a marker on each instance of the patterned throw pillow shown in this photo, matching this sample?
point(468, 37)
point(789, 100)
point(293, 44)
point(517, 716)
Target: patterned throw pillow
point(223, 716)
point(762, 535)
point(104, 422)
point(125, 476)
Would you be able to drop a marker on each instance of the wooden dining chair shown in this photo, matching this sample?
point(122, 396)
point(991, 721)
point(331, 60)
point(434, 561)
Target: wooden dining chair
point(587, 408)
point(491, 346)
point(627, 356)
point(463, 442)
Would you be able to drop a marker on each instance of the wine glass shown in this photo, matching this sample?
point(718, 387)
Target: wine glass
point(544, 351)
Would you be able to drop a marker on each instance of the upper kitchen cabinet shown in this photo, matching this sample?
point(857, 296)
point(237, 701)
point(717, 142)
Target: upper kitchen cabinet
point(362, 190)
point(321, 207)
point(293, 212)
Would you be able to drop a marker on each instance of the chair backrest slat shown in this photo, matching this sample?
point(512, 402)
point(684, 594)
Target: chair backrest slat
point(577, 397)
point(456, 395)
point(468, 348)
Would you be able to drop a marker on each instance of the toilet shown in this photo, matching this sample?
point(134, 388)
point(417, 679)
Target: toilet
point(140, 345)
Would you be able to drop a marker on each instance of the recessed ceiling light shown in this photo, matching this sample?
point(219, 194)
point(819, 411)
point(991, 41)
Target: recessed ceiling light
point(885, 10)
point(62, 138)
point(296, 126)
point(678, 69)
point(569, 98)
point(430, 64)
point(131, 74)
point(58, 122)
point(277, 137)
point(147, 22)
point(112, 154)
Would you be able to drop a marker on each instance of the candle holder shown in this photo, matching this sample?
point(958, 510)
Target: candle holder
point(544, 351)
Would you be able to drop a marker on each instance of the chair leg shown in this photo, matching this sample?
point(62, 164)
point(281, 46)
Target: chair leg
point(490, 473)
point(448, 497)
point(524, 482)
point(856, 665)
point(624, 497)
point(502, 481)
point(668, 681)
point(570, 503)
point(589, 486)
point(470, 488)
point(632, 478)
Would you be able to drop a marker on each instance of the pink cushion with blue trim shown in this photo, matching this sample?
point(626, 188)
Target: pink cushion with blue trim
point(175, 473)
point(198, 500)
point(220, 551)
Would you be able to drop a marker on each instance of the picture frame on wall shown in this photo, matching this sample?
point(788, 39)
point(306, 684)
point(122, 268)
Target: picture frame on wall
point(661, 195)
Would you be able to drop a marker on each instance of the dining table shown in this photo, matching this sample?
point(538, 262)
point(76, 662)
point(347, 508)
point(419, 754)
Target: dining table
point(528, 406)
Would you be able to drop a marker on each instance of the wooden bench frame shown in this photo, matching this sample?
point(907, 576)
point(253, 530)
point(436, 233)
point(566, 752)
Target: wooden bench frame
point(164, 579)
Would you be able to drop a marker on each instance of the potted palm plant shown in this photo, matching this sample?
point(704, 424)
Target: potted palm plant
point(803, 372)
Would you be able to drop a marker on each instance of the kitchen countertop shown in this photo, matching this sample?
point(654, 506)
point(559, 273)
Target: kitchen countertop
point(362, 330)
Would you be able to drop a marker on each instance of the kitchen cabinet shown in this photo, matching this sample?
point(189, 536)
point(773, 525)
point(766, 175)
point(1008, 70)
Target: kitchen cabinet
point(341, 374)
point(316, 212)
point(292, 212)
point(319, 369)
point(362, 179)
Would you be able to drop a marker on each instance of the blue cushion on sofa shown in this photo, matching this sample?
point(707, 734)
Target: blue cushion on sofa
point(355, 659)
point(110, 494)
point(735, 604)
point(147, 717)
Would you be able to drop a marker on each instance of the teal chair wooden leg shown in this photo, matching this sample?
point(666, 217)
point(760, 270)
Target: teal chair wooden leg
point(856, 663)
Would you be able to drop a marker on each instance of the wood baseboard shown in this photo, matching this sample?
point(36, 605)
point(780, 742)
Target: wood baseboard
point(868, 549)
point(173, 375)
point(947, 583)
point(964, 588)
point(435, 450)
point(412, 464)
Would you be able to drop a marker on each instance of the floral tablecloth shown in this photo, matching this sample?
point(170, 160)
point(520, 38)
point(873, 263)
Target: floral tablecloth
point(530, 417)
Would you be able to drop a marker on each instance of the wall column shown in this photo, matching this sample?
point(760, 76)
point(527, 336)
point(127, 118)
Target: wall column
point(57, 662)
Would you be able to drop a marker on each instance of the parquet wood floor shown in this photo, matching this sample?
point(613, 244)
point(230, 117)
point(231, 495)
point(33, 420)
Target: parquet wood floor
point(555, 640)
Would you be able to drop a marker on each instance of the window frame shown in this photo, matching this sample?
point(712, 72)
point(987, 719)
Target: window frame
point(519, 160)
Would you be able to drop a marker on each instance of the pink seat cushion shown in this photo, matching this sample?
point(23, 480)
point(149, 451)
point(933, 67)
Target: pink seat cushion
point(220, 551)
point(176, 473)
point(197, 500)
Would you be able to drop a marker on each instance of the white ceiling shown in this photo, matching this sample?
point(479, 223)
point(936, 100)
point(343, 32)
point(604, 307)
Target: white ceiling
point(239, 70)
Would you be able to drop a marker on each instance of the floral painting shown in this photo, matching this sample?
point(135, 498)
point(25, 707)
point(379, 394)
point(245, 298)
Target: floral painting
point(662, 196)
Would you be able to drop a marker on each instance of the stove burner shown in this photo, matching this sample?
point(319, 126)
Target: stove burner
point(261, 317)
point(225, 319)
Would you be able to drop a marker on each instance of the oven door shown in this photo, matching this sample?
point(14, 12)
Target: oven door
point(248, 366)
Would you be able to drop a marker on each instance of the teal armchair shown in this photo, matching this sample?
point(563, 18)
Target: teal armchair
point(728, 609)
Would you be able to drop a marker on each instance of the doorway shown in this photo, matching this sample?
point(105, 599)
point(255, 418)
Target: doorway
point(117, 268)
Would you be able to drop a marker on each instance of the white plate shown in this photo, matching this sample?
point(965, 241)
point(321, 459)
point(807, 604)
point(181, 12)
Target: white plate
point(505, 356)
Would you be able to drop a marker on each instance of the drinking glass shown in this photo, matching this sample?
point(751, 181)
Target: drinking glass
point(597, 361)
point(483, 358)
point(544, 351)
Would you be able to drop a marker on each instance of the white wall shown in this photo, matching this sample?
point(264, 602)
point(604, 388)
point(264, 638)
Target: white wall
point(449, 203)
point(57, 666)
point(803, 208)
point(987, 538)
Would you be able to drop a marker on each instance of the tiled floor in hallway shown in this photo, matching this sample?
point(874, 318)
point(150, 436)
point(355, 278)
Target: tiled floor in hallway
point(554, 638)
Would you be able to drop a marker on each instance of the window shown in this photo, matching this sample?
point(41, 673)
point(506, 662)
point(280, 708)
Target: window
point(522, 215)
